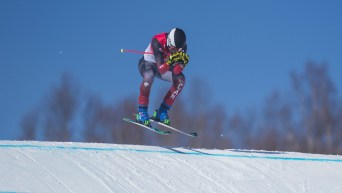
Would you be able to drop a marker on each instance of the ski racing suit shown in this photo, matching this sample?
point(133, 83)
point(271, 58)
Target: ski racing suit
point(154, 65)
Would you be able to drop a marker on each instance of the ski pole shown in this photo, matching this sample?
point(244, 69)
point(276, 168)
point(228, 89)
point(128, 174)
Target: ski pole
point(135, 51)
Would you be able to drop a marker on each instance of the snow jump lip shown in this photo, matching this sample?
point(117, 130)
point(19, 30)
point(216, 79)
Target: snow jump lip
point(169, 151)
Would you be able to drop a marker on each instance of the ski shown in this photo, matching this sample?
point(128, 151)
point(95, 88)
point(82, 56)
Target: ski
point(162, 132)
point(192, 134)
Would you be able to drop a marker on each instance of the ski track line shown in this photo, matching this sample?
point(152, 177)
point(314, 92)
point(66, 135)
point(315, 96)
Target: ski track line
point(133, 170)
point(172, 187)
point(270, 169)
point(185, 173)
point(193, 170)
point(48, 171)
point(89, 173)
point(202, 173)
point(261, 174)
point(69, 148)
point(110, 179)
point(110, 176)
point(27, 157)
point(265, 172)
point(142, 169)
point(219, 160)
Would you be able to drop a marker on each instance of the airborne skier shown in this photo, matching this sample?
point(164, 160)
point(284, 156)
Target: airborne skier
point(166, 62)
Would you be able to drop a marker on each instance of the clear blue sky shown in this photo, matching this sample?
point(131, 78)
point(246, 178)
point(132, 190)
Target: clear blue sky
point(242, 49)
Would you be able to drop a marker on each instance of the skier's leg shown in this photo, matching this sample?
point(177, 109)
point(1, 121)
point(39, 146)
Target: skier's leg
point(175, 90)
point(145, 88)
point(148, 75)
point(178, 83)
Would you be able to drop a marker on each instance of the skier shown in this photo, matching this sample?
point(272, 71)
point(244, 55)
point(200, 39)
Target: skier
point(166, 62)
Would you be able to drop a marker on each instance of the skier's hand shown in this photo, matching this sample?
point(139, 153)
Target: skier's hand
point(184, 58)
point(178, 57)
point(173, 58)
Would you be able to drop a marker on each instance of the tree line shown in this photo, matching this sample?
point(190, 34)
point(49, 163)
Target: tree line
point(308, 118)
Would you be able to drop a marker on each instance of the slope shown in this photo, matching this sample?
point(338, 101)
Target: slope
point(89, 167)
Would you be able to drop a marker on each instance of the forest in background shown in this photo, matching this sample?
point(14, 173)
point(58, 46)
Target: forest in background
point(308, 118)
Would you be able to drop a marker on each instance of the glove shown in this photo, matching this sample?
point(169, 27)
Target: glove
point(178, 57)
point(184, 58)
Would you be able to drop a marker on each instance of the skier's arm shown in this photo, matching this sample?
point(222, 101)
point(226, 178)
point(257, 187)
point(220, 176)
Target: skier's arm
point(157, 51)
point(158, 55)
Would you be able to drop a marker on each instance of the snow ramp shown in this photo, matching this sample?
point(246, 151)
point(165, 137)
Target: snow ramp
point(91, 167)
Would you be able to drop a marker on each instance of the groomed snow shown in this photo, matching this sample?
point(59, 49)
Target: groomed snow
point(89, 167)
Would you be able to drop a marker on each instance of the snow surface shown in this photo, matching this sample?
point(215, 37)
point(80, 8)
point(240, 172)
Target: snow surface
point(89, 167)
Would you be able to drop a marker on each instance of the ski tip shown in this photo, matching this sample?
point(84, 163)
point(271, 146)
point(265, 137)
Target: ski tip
point(194, 134)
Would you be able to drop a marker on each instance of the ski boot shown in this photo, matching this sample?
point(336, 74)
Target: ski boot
point(142, 115)
point(161, 115)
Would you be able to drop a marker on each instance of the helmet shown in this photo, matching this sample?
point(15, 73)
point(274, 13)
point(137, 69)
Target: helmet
point(176, 38)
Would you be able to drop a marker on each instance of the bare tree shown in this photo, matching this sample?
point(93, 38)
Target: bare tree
point(103, 122)
point(52, 118)
point(318, 108)
point(29, 125)
point(278, 124)
point(59, 110)
point(95, 125)
point(241, 128)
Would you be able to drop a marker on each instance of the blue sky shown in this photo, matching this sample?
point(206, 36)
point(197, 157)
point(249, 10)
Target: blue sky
point(243, 50)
